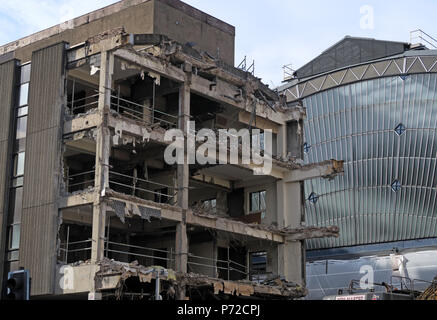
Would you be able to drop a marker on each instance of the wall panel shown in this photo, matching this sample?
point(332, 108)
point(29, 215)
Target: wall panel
point(42, 167)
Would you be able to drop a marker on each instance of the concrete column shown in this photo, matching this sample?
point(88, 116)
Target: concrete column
point(183, 184)
point(282, 141)
point(103, 149)
point(222, 202)
point(290, 214)
point(183, 175)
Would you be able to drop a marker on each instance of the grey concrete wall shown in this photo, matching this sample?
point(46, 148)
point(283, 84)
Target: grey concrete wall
point(163, 243)
point(205, 250)
point(138, 16)
point(134, 18)
point(271, 201)
point(184, 23)
point(43, 167)
point(202, 194)
point(7, 86)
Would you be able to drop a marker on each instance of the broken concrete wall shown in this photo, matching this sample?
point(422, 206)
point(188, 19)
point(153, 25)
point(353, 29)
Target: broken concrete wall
point(191, 25)
point(169, 17)
point(134, 18)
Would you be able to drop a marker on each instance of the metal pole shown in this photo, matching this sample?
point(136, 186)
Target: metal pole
point(118, 100)
point(171, 259)
point(134, 181)
point(214, 260)
point(68, 179)
point(153, 101)
point(247, 267)
point(72, 96)
point(66, 249)
point(107, 238)
point(229, 265)
point(157, 287)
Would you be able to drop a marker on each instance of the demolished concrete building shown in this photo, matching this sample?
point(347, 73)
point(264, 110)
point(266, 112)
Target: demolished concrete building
point(87, 203)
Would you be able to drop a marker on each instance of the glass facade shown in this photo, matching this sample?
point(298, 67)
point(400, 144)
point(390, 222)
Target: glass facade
point(19, 155)
point(386, 131)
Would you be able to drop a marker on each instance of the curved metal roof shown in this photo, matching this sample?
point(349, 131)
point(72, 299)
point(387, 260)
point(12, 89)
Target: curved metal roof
point(350, 51)
point(409, 62)
point(380, 117)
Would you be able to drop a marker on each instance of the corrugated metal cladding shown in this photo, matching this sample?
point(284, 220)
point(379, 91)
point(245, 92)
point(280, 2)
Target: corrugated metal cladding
point(7, 86)
point(386, 131)
point(41, 178)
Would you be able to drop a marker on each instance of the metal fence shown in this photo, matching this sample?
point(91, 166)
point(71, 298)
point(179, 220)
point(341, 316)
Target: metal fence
point(122, 252)
point(408, 285)
point(123, 183)
point(79, 250)
point(143, 113)
point(84, 104)
point(80, 181)
point(148, 114)
point(216, 265)
point(133, 185)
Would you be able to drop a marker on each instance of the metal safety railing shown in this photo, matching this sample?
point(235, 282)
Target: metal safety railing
point(148, 114)
point(150, 256)
point(84, 104)
point(80, 181)
point(121, 182)
point(80, 249)
point(288, 72)
point(216, 265)
point(143, 113)
point(405, 284)
point(157, 255)
point(419, 36)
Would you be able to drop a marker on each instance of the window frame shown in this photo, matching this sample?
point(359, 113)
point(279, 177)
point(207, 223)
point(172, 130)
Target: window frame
point(260, 210)
point(209, 202)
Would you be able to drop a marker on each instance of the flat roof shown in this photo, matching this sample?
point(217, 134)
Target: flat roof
point(108, 10)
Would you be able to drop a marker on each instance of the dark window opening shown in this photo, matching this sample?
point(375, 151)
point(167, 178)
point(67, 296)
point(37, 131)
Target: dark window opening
point(162, 195)
point(75, 244)
point(160, 258)
point(258, 265)
point(236, 203)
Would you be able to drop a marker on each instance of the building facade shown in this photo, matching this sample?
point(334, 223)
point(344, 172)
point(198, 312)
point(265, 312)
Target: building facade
point(372, 104)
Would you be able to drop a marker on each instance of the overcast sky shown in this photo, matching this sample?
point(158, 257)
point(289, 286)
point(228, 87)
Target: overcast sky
point(271, 32)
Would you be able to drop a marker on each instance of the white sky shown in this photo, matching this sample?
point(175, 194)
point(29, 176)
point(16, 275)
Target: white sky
point(271, 32)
